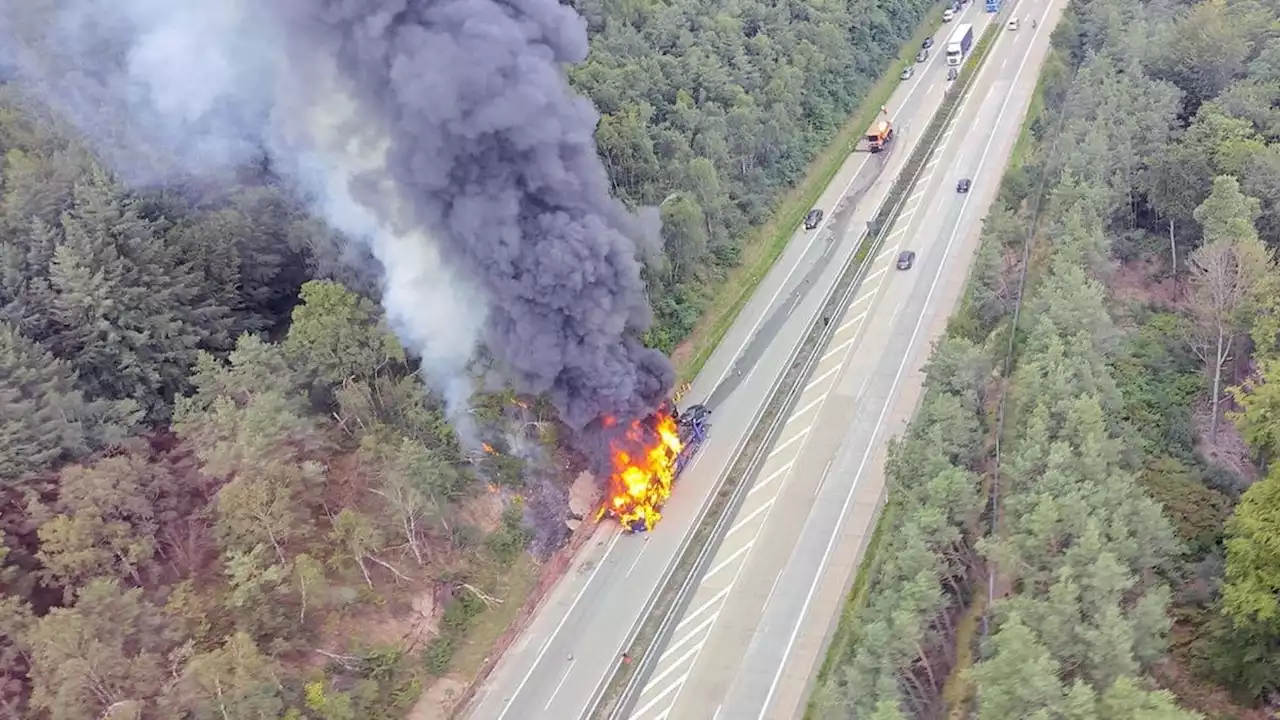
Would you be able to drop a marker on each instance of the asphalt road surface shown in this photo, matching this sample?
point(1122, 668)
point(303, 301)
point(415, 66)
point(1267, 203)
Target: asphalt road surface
point(575, 641)
point(752, 638)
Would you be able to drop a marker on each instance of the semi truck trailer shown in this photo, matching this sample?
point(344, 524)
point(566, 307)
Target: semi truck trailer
point(959, 44)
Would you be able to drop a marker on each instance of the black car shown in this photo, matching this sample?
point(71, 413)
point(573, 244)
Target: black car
point(963, 185)
point(928, 43)
point(906, 259)
point(922, 56)
point(952, 73)
point(812, 219)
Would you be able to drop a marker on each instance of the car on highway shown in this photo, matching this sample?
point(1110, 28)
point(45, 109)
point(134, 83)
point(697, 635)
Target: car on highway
point(922, 56)
point(1012, 24)
point(906, 259)
point(928, 43)
point(952, 73)
point(948, 15)
point(812, 219)
point(963, 185)
point(907, 72)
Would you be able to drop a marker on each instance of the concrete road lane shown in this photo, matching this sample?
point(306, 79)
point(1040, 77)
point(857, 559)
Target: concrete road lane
point(576, 638)
point(754, 633)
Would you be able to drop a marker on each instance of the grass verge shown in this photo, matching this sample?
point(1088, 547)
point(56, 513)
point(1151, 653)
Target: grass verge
point(511, 585)
point(763, 250)
point(858, 593)
point(673, 592)
point(844, 639)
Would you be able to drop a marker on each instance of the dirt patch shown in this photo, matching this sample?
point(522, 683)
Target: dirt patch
point(484, 511)
point(1193, 692)
point(548, 575)
point(1146, 282)
point(1228, 449)
point(436, 702)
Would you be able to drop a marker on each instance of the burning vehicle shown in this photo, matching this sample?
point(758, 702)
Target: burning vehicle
point(647, 458)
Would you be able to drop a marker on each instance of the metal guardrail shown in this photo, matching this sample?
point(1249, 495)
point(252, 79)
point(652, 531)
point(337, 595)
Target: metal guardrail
point(770, 421)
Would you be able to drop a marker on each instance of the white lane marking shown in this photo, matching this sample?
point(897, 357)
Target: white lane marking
point(826, 555)
point(896, 233)
point(678, 662)
point(863, 388)
point(850, 322)
point(884, 252)
point(687, 637)
point(714, 599)
point(559, 685)
point(742, 566)
point(670, 689)
point(828, 354)
point(569, 613)
point(819, 379)
point(875, 274)
point(772, 588)
point(644, 546)
point(733, 359)
point(864, 296)
point(663, 715)
point(767, 481)
point(823, 480)
point(718, 709)
point(747, 520)
point(770, 479)
point(788, 443)
point(802, 411)
point(725, 563)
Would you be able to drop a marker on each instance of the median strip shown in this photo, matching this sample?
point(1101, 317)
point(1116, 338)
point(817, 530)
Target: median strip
point(620, 692)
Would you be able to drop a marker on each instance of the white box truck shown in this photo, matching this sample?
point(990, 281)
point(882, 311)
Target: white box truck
point(959, 44)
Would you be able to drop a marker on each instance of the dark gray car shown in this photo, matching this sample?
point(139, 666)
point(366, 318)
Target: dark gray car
point(906, 259)
point(812, 219)
point(963, 185)
point(922, 56)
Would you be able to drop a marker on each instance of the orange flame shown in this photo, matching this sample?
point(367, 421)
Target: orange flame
point(643, 472)
point(488, 448)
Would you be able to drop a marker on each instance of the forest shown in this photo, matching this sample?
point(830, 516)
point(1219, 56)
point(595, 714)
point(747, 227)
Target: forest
point(1082, 517)
point(225, 491)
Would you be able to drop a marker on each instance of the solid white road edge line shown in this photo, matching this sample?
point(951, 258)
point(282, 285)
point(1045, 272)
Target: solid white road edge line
point(826, 556)
point(551, 639)
point(733, 359)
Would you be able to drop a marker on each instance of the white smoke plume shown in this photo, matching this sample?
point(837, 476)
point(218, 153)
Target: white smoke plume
point(441, 133)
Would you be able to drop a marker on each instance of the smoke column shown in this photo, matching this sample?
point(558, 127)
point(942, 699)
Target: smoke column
point(442, 133)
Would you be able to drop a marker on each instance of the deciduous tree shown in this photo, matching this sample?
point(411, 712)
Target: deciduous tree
point(1225, 277)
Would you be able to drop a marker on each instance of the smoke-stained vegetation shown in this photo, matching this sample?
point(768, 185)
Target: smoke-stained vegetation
point(253, 463)
point(1131, 559)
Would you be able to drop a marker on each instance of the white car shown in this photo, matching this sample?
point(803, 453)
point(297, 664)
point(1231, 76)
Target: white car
point(948, 15)
point(1012, 25)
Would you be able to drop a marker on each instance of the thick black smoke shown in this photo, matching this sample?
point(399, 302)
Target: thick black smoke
point(443, 133)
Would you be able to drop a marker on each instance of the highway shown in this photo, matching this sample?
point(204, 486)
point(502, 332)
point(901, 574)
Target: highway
point(574, 643)
point(751, 640)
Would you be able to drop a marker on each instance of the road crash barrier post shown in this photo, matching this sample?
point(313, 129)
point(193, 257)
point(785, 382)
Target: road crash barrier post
point(617, 694)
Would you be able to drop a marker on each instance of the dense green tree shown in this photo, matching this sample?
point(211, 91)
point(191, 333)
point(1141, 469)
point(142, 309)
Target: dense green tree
point(108, 648)
point(340, 335)
point(44, 419)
